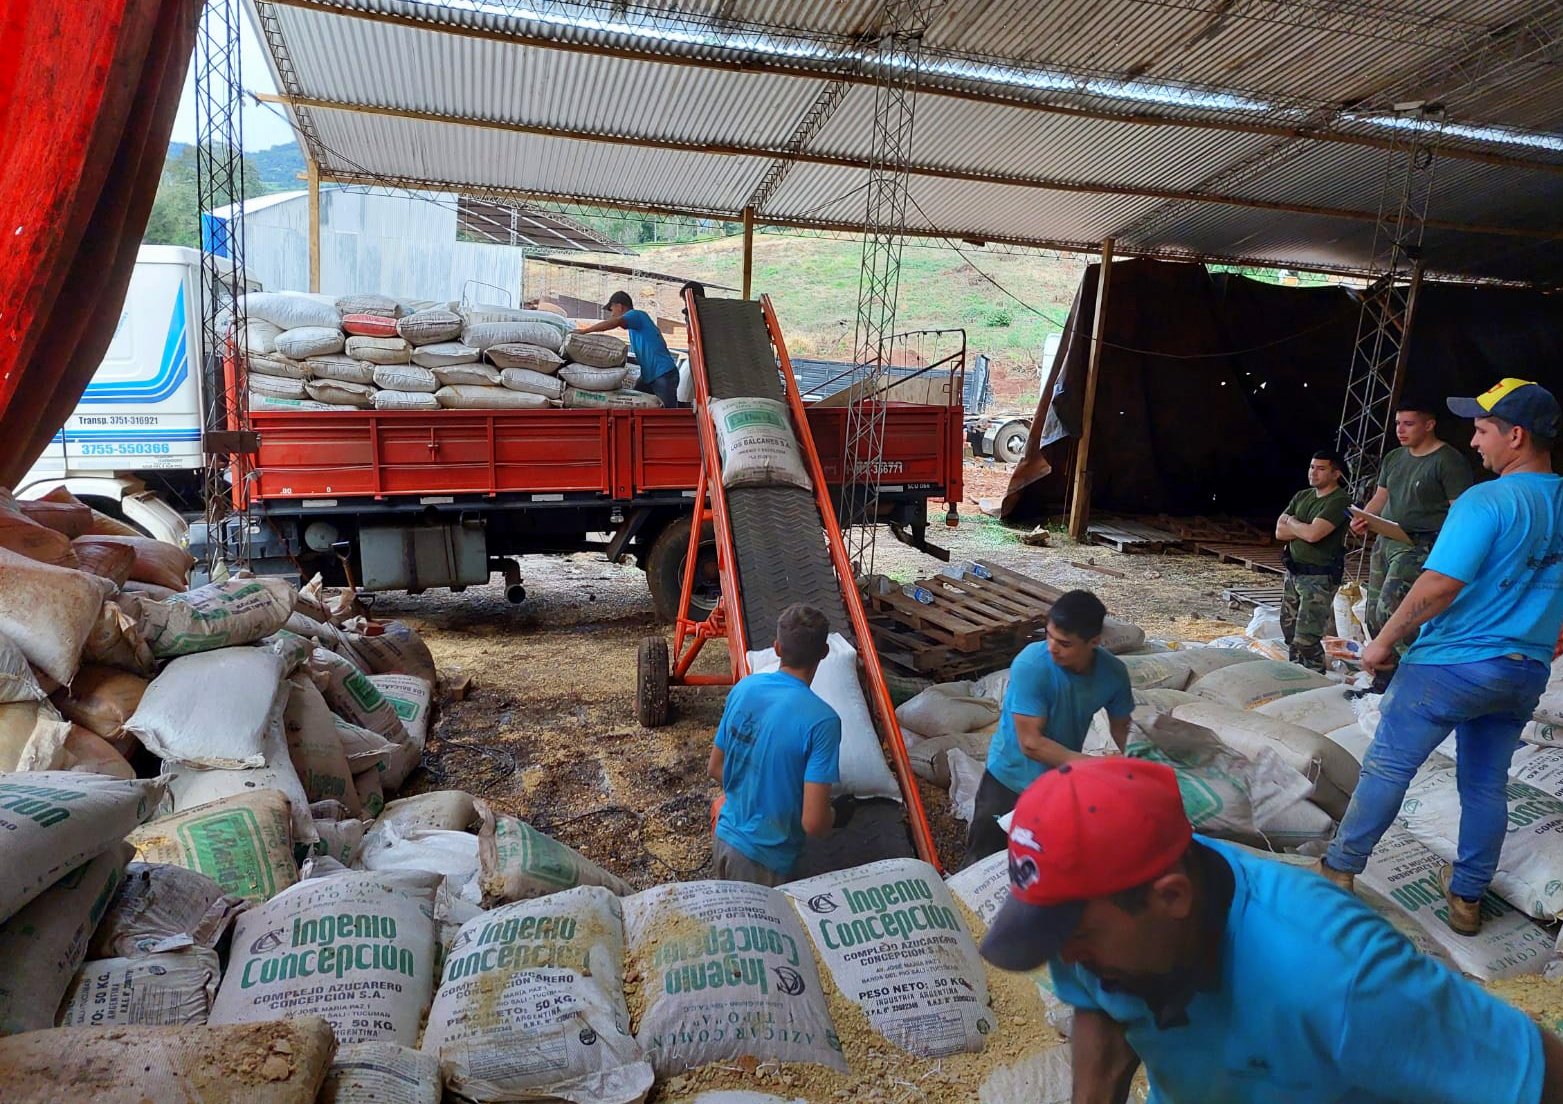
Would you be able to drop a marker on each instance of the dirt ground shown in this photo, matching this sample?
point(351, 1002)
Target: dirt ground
point(548, 730)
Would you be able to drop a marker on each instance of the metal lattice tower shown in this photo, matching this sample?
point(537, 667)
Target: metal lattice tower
point(1378, 357)
point(219, 182)
point(897, 57)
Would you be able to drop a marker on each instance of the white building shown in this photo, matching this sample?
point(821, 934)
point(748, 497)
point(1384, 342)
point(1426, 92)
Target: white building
point(396, 243)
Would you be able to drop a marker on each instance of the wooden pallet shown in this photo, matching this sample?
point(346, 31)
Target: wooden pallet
point(973, 624)
point(1132, 536)
point(1217, 530)
point(1254, 594)
point(1259, 557)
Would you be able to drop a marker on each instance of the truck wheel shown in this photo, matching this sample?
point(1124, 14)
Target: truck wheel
point(651, 682)
point(1009, 443)
point(665, 572)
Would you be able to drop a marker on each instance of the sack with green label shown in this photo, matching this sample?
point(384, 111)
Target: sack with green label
point(517, 862)
point(244, 843)
point(895, 946)
point(218, 615)
point(758, 445)
point(356, 949)
point(531, 1005)
point(353, 697)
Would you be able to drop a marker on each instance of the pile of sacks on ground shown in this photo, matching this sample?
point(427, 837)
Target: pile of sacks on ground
point(460, 951)
point(1268, 754)
point(363, 352)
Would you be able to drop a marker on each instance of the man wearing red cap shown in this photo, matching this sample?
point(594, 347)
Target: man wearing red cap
point(1489, 604)
point(1236, 979)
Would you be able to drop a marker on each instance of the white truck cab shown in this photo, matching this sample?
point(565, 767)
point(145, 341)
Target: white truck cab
point(133, 443)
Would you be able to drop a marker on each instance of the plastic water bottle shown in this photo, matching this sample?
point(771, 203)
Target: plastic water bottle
point(918, 594)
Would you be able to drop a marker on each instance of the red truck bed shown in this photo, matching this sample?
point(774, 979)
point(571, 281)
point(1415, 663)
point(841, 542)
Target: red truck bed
point(619, 454)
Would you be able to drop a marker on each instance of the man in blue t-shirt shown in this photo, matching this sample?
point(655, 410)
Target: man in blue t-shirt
point(658, 369)
point(1491, 597)
point(776, 755)
point(1054, 690)
point(1236, 979)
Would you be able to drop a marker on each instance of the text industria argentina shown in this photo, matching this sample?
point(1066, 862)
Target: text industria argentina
point(334, 945)
point(894, 910)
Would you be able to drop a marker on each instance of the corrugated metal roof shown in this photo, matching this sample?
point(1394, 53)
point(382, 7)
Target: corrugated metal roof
point(1163, 122)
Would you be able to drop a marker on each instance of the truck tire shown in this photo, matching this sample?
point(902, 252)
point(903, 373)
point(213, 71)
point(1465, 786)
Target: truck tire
point(1009, 443)
point(665, 572)
point(651, 682)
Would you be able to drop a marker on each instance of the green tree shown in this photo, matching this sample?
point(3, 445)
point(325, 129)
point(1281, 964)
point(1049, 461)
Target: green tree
point(175, 211)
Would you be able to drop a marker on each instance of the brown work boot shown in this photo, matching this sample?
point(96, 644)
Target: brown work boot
point(1345, 880)
point(1465, 917)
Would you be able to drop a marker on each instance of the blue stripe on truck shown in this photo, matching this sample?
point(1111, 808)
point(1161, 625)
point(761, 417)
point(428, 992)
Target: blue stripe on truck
point(172, 370)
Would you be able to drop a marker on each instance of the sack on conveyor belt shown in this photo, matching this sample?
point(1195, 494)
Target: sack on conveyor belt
point(46, 940)
point(1250, 685)
point(357, 396)
point(536, 383)
point(588, 378)
point(1332, 770)
point(466, 375)
point(310, 341)
point(532, 1006)
point(343, 369)
point(758, 446)
point(517, 862)
point(405, 377)
point(405, 400)
point(429, 327)
point(597, 350)
point(488, 398)
point(369, 303)
point(289, 309)
point(576, 398)
point(534, 358)
point(676, 935)
point(370, 325)
point(243, 843)
point(485, 335)
point(282, 1062)
point(864, 772)
point(895, 946)
point(337, 947)
point(445, 353)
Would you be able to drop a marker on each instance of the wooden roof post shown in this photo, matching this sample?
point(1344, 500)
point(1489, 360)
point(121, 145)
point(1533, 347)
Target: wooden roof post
point(314, 223)
point(1080, 496)
point(748, 280)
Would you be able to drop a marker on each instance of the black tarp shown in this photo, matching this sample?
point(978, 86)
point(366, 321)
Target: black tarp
point(1214, 389)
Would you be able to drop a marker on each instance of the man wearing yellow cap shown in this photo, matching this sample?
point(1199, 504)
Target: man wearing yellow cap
point(1489, 605)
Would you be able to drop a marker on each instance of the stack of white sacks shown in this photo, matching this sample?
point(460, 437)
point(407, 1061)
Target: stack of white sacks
point(363, 352)
point(1269, 754)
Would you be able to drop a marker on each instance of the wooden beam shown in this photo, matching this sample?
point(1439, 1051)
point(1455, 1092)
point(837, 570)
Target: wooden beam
point(314, 222)
point(1080, 497)
point(516, 34)
point(936, 172)
point(748, 280)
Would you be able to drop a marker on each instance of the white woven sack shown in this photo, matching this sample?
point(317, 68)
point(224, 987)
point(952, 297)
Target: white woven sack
point(308, 341)
point(598, 350)
point(758, 445)
point(592, 379)
point(470, 397)
point(212, 709)
point(405, 400)
point(366, 303)
point(258, 337)
point(275, 364)
point(481, 313)
point(482, 335)
point(521, 355)
point(337, 393)
point(576, 398)
point(274, 404)
point(467, 375)
point(445, 353)
point(405, 377)
point(524, 379)
point(379, 350)
point(428, 327)
point(343, 368)
point(289, 310)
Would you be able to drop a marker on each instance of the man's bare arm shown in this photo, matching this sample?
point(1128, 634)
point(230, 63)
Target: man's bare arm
point(1118, 728)
point(1430, 595)
point(714, 767)
point(599, 327)
point(1031, 735)
point(1104, 1062)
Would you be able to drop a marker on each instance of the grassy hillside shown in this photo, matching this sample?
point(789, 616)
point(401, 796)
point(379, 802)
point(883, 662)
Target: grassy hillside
point(814, 285)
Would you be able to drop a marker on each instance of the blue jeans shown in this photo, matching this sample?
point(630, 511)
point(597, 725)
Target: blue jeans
point(1485, 704)
point(664, 387)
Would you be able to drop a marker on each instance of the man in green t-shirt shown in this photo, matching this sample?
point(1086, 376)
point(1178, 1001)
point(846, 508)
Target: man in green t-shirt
point(1314, 529)
point(1416, 484)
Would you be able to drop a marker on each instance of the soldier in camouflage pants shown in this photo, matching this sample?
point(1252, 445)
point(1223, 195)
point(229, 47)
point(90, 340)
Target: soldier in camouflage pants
point(1307, 614)
point(1394, 567)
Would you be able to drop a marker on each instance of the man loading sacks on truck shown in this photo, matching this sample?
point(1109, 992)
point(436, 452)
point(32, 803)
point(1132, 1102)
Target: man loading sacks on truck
point(658, 370)
point(776, 754)
point(1491, 599)
point(1236, 979)
point(1055, 688)
point(1314, 529)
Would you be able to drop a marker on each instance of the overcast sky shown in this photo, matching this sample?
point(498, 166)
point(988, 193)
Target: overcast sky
point(265, 125)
